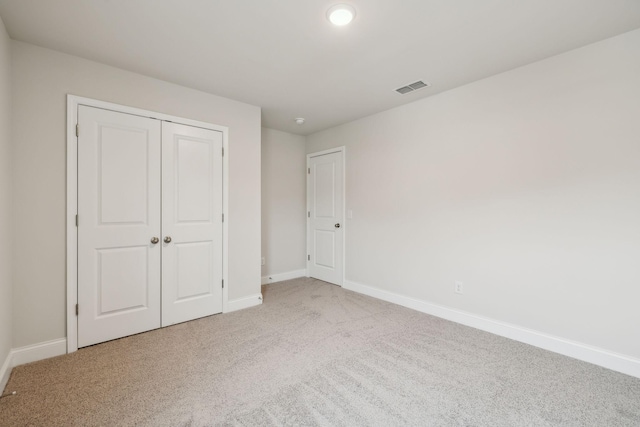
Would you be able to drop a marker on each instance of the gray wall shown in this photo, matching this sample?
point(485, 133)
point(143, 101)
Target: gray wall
point(283, 202)
point(5, 198)
point(42, 78)
point(525, 186)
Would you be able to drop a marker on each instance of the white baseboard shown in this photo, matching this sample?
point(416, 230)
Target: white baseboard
point(607, 359)
point(5, 372)
point(242, 303)
point(273, 278)
point(35, 352)
point(30, 353)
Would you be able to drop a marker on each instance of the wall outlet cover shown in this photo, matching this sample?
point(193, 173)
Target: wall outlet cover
point(459, 288)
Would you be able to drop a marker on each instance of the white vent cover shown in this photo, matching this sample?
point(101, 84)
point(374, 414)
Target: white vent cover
point(412, 87)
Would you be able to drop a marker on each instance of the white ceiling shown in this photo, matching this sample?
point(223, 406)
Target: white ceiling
point(284, 56)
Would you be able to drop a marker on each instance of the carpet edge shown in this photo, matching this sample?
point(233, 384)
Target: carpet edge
point(39, 351)
point(242, 303)
point(5, 371)
point(279, 277)
point(607, 359)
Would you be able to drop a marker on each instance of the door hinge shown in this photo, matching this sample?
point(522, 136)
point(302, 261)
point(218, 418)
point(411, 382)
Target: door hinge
point(222, 283)
point(308, 214)
point(77, 309)
point(77, 130)
point(222, 151)
point(308, 171)
point(308, 257)
point(76, 220)
point(222, 217)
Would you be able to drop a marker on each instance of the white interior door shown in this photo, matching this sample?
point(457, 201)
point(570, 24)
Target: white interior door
point(325, 218)
point(191, 223)
point(118, 216)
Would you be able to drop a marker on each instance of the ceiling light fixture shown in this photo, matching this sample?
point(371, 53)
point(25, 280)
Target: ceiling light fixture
point(341, 14)
point(299, 121)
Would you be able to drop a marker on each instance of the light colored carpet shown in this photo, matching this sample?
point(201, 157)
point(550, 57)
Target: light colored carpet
point(315, 354)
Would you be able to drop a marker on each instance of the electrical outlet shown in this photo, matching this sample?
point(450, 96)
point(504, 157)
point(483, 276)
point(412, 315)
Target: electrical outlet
point(264, 261)
point(459, 289)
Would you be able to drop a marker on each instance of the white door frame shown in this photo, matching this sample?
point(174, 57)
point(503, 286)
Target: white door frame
point(343, 151)
point(73, 102)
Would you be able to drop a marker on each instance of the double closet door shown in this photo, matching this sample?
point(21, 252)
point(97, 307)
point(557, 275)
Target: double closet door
point(149, 224)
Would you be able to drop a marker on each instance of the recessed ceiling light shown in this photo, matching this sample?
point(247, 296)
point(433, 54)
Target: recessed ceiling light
point(341, 14)
point(299, 121)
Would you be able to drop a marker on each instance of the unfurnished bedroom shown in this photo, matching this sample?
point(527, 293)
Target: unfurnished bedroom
point(331, 213)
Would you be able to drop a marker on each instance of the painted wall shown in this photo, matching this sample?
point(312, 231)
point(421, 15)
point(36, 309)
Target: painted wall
point(283, 202)
point(525, 186)
point(5, 198)
point(42, 78)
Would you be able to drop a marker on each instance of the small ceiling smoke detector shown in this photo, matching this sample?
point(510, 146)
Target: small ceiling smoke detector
point(412, 87)
point(341, 14)
point(299, 121)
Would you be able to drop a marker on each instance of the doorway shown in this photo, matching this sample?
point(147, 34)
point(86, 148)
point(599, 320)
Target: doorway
point(325, 215)
point(149, 237)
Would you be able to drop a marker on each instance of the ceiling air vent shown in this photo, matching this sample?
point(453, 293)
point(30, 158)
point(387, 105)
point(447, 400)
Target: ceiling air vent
point(412, 87)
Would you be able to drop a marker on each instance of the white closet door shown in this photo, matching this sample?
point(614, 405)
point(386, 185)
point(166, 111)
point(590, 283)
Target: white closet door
point(191, 223)
point(119, 215)
point(326, 227)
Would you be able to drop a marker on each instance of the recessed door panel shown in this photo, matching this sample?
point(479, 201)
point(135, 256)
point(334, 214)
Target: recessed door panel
point(194, 270)
point(194, 159)
point(324, 201)
point(123, 173)
point(191, 223)
point(325, 223)
point(123, 280)
point(325, 242)
point(118, 215)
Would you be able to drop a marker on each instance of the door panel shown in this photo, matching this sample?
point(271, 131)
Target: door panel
point(195, 269)
point(123, 172)
point(118, 214)
point(324, 201)
point(326, 226)
point(123, 283)
point(324, 248)
point(194, 180)
point(192, 218)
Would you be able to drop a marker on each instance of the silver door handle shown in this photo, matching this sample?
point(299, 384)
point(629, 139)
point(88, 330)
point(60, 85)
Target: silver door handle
point(154, 240)
point(337, 226)
point(167, 239)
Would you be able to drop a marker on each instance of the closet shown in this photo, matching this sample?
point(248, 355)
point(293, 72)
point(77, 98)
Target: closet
point(149, 224)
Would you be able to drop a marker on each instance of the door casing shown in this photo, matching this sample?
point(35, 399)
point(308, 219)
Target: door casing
point(343, 151)
point(73, 102)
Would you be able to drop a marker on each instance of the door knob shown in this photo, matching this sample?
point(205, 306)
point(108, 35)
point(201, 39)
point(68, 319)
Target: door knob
point(154, 240)
point(167, 239)
point(337, 225)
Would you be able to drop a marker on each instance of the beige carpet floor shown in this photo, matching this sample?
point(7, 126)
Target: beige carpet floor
point(315, 354)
